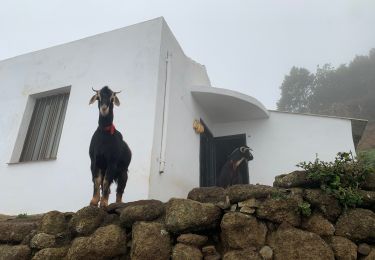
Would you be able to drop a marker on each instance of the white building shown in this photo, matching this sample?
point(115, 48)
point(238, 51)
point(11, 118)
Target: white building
point(164, 91)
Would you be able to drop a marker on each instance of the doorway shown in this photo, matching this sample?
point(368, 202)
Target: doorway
point(213, 155)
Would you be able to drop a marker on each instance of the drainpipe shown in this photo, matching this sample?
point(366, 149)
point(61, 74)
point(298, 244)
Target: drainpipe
point(164, 116)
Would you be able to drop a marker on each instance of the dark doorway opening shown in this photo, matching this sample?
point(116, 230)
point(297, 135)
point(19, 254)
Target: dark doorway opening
point(213, 155)
point(207, 158)
point(224, 146)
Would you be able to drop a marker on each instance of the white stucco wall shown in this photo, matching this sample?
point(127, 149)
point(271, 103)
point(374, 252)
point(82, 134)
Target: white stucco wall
point(181, 153)
point(126, 59)
point(284, 139)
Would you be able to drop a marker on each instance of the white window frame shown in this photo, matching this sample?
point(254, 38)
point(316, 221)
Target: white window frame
point(26, 120)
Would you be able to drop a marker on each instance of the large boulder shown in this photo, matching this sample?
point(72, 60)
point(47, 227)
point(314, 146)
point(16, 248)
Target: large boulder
point(150, 241)
point(295, 179)
point(292, 243)
point(327, 204)
point(240, 231)
point(245, 254)
point(371, 256)
point(184, 215)
point(146, 210)
point(106, 242)
point(87, 220)
point(14, 232)
point(316, 223)
point(214, 195)
point(54, 222)
point(42, 240)
point(186, 252)
point(281, 210)
point(242, 192)
point(19, 252)
point(192, 240)
point(357, 225)
point(343, 248)
point(51, 254)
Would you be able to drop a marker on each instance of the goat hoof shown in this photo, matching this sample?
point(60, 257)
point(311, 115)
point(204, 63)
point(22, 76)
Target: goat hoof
point(94, 203)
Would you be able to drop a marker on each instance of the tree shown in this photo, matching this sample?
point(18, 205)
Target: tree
point(296, 91)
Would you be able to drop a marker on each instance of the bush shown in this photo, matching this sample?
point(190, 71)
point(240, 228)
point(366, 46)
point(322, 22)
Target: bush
point(342, 178)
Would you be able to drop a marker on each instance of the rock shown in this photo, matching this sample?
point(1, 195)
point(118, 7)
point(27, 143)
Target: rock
point(150, 240)
point(316, 223)
point(20, 252)
point(247, 210)
point(51, 254)
point(26, 240)
point(281, 210)
point(42, 240)
point(111, 219)
point(295, 179)
point(292, 243)
point(327, 204)
point(371, 256)
point(185, 252)
point(250, 203)
point(246, 254)
point(233, 207)
point(214, 195)
point(193, 240)
point(54, 222)
point(369, 182)
point(242, 192)
point(209, 251)
point(86, 220)
point(184, 215)
point(106, 242)
point(343, 248)
point(364, 249)
point(115, 207)
point(240, 231)
point(141, 212)
point(357, 225)
point(14, 232)
point(213, 257)
point(266, 252)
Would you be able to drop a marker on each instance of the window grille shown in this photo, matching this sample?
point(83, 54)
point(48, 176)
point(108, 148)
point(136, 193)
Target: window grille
point(44, 132)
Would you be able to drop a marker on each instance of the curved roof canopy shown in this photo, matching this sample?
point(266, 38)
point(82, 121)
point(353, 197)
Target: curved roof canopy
point(224, 105)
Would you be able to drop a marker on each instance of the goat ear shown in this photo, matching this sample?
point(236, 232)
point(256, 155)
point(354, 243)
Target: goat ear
point(93, 99)
point(116, 101)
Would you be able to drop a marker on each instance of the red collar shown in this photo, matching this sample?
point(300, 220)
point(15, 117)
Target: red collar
point(110, 129)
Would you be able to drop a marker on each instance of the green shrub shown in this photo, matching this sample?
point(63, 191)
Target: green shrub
point(305, 209)
point(23, 215)
point(342, 178)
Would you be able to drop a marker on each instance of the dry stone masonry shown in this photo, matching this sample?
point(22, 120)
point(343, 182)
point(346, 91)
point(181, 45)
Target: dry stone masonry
point(241, 222)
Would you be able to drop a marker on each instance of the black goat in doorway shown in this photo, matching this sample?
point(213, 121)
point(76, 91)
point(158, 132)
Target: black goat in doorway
point(110, 155)
point(229, 172)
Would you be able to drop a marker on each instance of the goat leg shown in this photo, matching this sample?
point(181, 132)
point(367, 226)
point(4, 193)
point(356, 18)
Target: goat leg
point(105, 193)
point(121, 183)
point(96, 195)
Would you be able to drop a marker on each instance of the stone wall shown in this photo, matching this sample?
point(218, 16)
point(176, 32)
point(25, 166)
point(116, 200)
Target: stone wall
point(240, 222)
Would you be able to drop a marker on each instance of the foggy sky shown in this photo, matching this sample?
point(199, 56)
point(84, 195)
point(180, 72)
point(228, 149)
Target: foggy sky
point(245, 45)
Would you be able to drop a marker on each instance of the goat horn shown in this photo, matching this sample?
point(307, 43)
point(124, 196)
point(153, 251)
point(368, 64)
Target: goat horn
point(95, 90)
point(117, 92)
point(243, 149)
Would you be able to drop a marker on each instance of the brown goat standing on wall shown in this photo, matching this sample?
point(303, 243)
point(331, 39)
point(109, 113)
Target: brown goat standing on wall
point(110, 155)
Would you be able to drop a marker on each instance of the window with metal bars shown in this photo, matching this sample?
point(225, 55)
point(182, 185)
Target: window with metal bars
point(44, 132)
